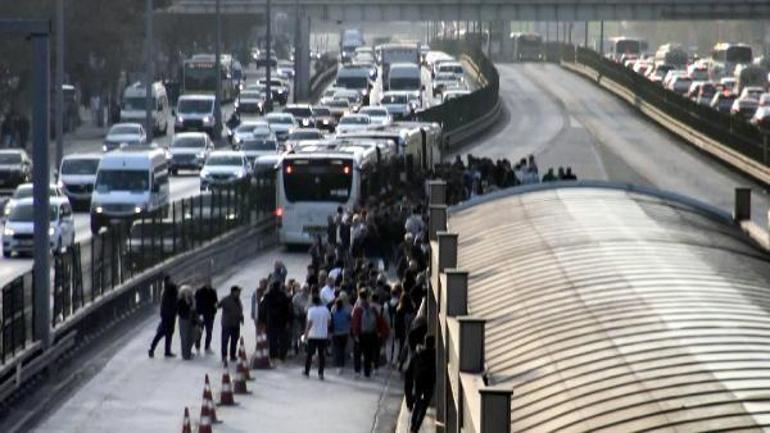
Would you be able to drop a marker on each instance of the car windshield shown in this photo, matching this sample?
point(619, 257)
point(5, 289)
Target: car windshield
point(10, 158)
point(188, 142)
point(321, 111)
point(252, 94)
point(123, 129)
point(26, 213)
point(404, 83)
point(24, 191)
point(355, 120)
point(134, 103)
point(739, 55)
point(298, 111)
point(224, 160)
point(352, 82)
point(249, 128)
point(259, 144)
point(394, 99)
point(282, 120)
point(305, 135)
point(122, 180)
point(339, 103)
point(79, 166)
point(374, 112)
point(445, 77)
point(452, 69)
point(191, 106)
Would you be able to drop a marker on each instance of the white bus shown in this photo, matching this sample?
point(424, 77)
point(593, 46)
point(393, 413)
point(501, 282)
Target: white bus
point(624, 46)
point(129, 184)
point(313, 183)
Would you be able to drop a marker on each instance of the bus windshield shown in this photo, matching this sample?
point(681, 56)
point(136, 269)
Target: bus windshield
point(739, 55)
point(122, 180)
point(198, 76)
point(353, 82)
point(317, 180)
point(404, 83)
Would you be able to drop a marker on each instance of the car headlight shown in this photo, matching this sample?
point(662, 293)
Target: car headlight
point(105, 148)
point(325, 121)
point(8, 231)
point(205, 175)
point(138, 209)
point(99, 209)
point(200, 155)
point(51, 231)
point(240, 173)
point(365, 92)
point(236, 104)
point(208, 120)
point(179, 119)
point(281, 91)
point(305, 122)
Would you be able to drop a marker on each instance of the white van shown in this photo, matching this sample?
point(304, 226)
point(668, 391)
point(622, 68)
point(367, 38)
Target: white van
point(195, 113)
point(355, 78)
point(404, 76)
point(133, 108)
point(130, 183)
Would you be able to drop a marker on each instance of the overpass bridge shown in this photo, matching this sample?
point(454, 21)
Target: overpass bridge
point(490, 10)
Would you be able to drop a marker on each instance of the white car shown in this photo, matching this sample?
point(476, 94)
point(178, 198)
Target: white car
point(131, 134)
point(450, 94)
point(378, 114)
point(262, 142)
point(249, 129)
point(397, 103)
point(285, 69)
point(24, 191)
point(281, 124)
point(189, 150)
point(18, 234)
point(77, 176)
point(353, 96)
point(250, 102)
point(353, 122)
point(303, 135)
point(443, 81)
point(224, 168)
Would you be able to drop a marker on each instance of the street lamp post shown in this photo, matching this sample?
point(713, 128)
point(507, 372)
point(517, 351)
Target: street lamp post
point(268, 37)
point(59, 119)
point(149, 107)
point(218, 66)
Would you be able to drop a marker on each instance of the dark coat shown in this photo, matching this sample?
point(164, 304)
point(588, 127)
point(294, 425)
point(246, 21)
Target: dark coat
point(168, 302)
point(232, 311)
point(206, 301)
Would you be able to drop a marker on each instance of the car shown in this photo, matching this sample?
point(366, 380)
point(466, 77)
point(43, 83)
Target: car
point(658, 73)
point(285, 69)
point(18, 233)
point(259, 144)
point(248, 129)
point(303, 113)
point(130, 134)
point(397, 104)
point(189, 150)
point(24, 191)
point(224, 168)
point(250, 102)
point(338, 108)
point(378, 114)
point(752, 93)
point(265, 164)
point(679, 84)
point(353, 122)
point(744, 107)
point(641, 67)
point(303, 135)
point(728, 83)
point(761, 118)
point(15, 169)
point(702, 92)
point(450, 94)
point(698, 72)
point(670, 75)
point(444, 80)
point(352, 95)
point(324, 118)
point(195, 113)
point(723, 101)
point(281, 124)
point(77, 176)
point(278, 88)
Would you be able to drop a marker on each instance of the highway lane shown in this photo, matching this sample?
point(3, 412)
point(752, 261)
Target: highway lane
point(565, 120)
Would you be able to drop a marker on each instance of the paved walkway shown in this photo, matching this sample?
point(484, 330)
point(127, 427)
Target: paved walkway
point(133, 393)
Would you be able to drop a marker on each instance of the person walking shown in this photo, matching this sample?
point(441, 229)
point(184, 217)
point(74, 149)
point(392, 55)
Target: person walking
point(168, 310)
point(232, 318)
point(188, 320)
point(424, 380)
point(299, 304)
point(206, 305)
point(364, 331)
point(316, 335)
point(340, 330)
point(275, 316)
point(256, 301)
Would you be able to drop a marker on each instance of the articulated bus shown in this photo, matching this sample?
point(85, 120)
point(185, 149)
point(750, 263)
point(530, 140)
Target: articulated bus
point(199, 75)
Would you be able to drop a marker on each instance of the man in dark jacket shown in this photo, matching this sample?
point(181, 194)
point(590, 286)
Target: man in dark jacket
point(232, 319)
point(424, 380)
point(276, 317)
point(168, 307)
point(206, 305)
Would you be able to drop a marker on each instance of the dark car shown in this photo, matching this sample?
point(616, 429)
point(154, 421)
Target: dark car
point(303, 113)
point(723, 102)
point(15, 169)
point(324, 119)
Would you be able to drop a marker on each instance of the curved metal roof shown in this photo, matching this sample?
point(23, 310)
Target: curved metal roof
point(617, 310)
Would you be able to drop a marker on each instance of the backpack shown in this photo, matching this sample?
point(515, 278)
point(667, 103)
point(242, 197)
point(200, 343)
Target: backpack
point(368, 321)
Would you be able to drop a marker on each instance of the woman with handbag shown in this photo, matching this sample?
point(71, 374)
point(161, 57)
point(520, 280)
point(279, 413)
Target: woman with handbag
point(188, 320)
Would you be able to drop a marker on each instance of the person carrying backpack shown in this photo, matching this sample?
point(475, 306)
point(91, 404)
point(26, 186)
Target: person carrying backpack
point(365, 334)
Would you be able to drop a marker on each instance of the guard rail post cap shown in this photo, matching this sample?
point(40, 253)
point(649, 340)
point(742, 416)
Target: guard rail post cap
point(742, 210)
point(447, 250)
point(456, 292)
point(437, 216)
point(471, 344)
point(495, 409)
point(436, 192)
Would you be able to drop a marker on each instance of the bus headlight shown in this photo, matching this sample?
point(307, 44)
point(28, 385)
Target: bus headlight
point(8, 232)
point(138, 209)
point(208, 120)
point(99, 209)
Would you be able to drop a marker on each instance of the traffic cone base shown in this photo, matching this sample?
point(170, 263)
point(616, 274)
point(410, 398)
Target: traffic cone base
point(261, 359)
point(186, 426)
point(239, 385)
point(226, 397)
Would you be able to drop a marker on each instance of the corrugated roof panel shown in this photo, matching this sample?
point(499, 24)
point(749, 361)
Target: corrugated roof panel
point(615, 310)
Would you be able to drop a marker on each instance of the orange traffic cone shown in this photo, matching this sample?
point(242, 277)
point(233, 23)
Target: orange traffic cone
point(186, 426)
point(205, 424)
point(208, 401)
point(242, 350)
point(261, 358)
point(226, 398)
point(239, 385)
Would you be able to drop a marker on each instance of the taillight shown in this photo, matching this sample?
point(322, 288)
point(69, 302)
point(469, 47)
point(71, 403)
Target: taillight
point(289, 169)
point(279, 212)
point(346, 169)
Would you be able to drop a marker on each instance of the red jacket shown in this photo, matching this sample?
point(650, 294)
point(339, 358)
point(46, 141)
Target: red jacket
point(355, 325)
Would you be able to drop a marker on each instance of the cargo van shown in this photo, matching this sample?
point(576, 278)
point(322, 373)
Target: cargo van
point(133, 108)
point(130, 183)
point(404, 76)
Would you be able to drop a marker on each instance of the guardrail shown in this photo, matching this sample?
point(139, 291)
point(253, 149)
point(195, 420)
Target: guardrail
point(326, 69)
point(120, 270)
point(728, 138)
point(467, 115)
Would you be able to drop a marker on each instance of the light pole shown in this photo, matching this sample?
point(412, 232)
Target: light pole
point(59, 82)
point(268, 91)
point(149, 107)
point(218, 66)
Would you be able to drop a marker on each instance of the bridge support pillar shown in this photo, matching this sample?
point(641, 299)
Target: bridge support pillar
point(302, 58)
